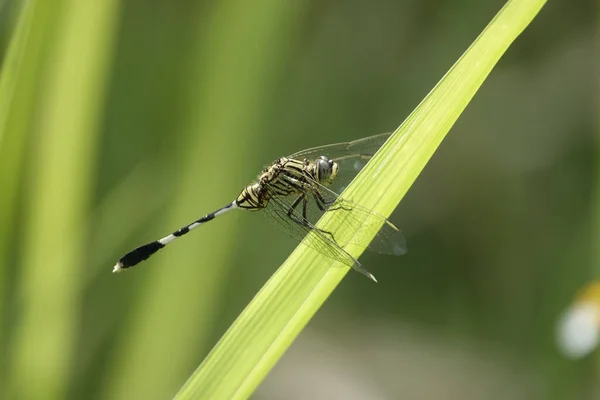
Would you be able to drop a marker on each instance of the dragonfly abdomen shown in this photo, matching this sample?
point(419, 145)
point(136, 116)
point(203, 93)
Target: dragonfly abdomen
point(252, 197)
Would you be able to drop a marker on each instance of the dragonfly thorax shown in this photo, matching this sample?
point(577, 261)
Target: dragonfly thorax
point(256, 196)
point(285, 177)
point(272, 172)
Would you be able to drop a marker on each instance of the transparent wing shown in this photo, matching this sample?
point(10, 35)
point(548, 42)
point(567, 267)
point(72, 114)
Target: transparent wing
point(290, 221)
point(350, 156)
point(354, 149)
point(388, 238)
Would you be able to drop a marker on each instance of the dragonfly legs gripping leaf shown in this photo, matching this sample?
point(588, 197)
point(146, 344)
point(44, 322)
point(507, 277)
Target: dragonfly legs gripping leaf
point(303, 221)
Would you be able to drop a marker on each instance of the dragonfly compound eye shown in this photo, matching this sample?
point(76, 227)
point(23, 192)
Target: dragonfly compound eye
point(324, 170)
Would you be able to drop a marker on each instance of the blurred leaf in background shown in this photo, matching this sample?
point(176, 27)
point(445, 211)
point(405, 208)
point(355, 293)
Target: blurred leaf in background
point(119, 121)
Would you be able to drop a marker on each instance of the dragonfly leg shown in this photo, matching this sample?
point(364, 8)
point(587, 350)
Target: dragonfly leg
point(320, 202)
point(304, 203)
point(304, 220)
point(320, 230)
point(293, 207)
point(324, 205)
point(328, 234)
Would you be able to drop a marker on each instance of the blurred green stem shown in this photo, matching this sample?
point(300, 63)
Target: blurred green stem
point(236, 56)
point(62, 161)
point(19, 78)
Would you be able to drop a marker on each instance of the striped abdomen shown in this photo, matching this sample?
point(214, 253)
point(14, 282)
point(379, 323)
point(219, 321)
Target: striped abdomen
point(252, 198)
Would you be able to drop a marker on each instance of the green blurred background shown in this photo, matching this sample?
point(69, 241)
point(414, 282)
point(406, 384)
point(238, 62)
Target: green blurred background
point(184, 102)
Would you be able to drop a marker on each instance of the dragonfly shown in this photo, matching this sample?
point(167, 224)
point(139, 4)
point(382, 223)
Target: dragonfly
point(294, 192)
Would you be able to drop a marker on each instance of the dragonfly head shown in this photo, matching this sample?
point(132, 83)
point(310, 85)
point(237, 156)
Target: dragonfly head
point(325, 170)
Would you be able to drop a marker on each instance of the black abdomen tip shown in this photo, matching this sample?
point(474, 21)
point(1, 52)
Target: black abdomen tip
point(138, 255)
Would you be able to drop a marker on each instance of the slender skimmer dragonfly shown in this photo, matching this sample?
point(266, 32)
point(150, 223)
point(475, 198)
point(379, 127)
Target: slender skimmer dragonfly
point(294, 192)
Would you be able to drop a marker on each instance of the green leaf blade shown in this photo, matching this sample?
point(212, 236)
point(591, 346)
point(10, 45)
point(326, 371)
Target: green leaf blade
point(277, 314)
